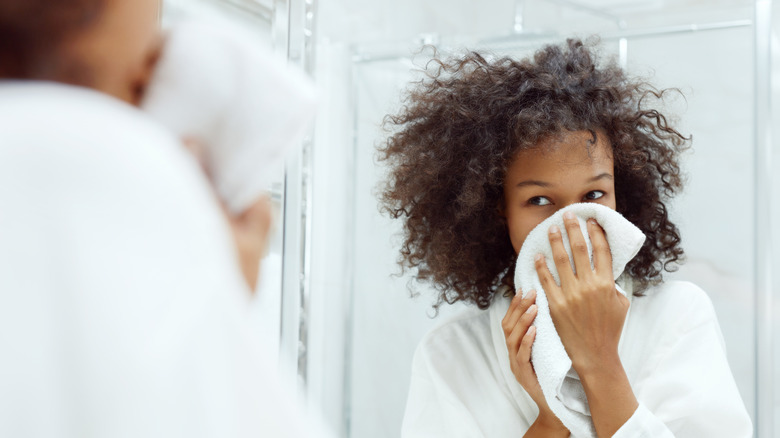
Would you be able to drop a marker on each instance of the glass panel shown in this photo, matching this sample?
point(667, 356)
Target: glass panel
point(716, 211)
point(387, 323)
point(774, 198)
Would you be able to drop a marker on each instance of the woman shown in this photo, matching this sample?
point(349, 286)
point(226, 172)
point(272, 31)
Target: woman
point(482, 153)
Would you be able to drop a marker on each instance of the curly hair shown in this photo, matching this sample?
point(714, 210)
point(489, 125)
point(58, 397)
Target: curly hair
point(451, 143)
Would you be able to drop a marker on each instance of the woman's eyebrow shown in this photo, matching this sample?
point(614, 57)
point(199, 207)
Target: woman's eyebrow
point(602, 176)
point(533, 182)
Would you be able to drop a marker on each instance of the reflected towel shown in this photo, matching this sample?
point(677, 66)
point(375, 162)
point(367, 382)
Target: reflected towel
point(219, 86)
point(559, 381)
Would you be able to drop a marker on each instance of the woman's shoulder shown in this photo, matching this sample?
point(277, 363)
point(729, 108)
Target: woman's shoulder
point(469, 325)
point(677, 303)
point(666, 317)
point(681, 292)
point(463, 338)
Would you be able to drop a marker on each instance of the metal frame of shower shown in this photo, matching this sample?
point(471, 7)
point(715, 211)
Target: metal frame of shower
point(764, 303)
point(293, 36)
point(762, 275)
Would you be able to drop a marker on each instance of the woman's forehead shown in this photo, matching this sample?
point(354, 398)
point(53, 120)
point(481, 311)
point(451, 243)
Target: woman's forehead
point(556, 156)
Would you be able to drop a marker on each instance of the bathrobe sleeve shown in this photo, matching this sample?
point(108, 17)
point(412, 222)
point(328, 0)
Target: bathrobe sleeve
point(424, 414)
point(432, 410)
point(457, 385)
point(686, 389)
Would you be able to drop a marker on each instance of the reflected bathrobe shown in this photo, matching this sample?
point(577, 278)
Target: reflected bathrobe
point(671, 348)
point(122, 309)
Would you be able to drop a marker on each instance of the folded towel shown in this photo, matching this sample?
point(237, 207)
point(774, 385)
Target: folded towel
point(219, 86)
point(559, 381)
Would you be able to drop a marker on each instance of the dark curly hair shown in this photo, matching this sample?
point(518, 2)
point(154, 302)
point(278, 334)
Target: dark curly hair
point(461, 126)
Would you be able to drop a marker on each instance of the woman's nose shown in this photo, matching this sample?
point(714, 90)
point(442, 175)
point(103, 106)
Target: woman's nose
point(566, 204)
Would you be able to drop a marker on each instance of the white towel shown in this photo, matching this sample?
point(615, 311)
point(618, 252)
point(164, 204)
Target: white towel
point(560, 383)
point(219, 86)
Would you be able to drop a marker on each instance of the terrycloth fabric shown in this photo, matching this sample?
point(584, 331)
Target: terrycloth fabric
point(559, 381)
point(220, 87)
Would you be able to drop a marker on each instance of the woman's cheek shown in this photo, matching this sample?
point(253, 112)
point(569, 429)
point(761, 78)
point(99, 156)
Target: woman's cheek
point(517, 235)
point(521, 225)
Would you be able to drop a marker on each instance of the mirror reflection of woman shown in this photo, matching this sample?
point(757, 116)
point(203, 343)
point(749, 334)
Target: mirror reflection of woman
point(484, 151)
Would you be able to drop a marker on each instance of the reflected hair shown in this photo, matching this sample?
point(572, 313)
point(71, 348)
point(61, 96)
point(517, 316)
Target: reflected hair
point(450, 144)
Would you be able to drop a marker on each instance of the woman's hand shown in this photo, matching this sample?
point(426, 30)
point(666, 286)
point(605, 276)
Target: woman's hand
point(589, 313)
point(519, 335)
point(586, 308)
point(250, 229)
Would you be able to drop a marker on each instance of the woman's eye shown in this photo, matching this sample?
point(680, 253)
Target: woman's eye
point(593, 195)
point(539, 200)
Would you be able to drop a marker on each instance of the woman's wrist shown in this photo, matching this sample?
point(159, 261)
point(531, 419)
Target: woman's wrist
point(610, 396)
point(547, 425)
point(604, 364)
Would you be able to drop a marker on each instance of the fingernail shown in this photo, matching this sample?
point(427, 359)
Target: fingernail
point(554, 229)
point(531, 293)
point(568, 215)
point(538, 257)
point(592, 221)
point(532, 329)
point(531, 309)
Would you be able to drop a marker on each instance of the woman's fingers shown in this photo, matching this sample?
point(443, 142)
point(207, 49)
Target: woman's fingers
point(525, 373)
point(517, 307)
point(516, 300)
point(520, 330)
point(579, 247)
point(551, 288)
point(560, 257)
point(524, 352)
point(519, 340)
point(251, 229)
point(517, 321)
point(602, 256)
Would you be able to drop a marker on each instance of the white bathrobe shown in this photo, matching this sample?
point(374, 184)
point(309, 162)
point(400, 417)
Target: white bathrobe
point(671, 348)
point(122, 309)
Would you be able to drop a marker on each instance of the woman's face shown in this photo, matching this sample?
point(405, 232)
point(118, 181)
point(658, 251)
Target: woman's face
point(560, 171)
point(120, 48)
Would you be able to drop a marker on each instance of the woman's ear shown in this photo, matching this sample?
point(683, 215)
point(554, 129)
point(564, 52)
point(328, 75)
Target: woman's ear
point(141, 81)
point(501, 209)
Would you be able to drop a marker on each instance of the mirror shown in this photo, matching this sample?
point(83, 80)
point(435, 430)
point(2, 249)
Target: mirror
point(346, 328)
point(368, 54)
